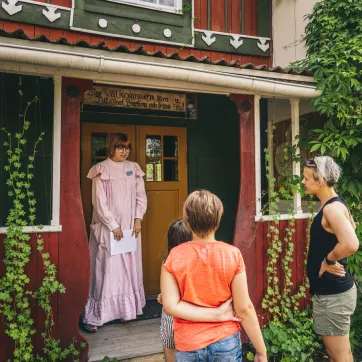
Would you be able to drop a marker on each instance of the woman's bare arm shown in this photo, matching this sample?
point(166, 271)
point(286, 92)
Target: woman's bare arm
point(342, 227)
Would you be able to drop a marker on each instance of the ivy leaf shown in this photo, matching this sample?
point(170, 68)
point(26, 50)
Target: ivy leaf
point(315, 147)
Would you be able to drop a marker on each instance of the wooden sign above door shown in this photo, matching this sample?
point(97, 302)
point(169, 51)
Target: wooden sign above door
point(135, 98)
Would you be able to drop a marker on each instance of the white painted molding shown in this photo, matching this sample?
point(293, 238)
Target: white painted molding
point(265, 218)
point(44, 4)
point(257, 154)
point(149, 5)
point(36, 229)
point(64, 57)
point(56, 150)
point(296, 165)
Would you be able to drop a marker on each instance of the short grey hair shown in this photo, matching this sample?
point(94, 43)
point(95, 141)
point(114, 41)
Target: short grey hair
point(327, 169)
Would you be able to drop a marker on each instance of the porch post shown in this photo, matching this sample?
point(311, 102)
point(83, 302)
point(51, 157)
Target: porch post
point(56, 148)
point(244, 233)
point(73, 242)
point(296, 165)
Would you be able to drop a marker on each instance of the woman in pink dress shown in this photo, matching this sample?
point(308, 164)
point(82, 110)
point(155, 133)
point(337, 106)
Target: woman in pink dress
point(119, 203)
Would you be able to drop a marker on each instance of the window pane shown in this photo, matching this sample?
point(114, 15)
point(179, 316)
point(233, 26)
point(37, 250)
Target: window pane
point(170, 170)
point(153, 146)
point(153, 170)
point(15, 92)
point(150, 1)
point(99, 144)
point(170, 146)
point(167, 2)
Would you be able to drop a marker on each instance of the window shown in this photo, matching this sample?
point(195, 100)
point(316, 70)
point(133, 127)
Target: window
point(15, 92)
point(165, 5)
point(285, 131)
point(161, 158)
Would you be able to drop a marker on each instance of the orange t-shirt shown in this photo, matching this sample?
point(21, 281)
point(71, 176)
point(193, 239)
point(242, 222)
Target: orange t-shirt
point(204, 272)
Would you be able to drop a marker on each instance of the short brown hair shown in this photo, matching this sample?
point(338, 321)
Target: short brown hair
point(119, 140)
point(202, 212)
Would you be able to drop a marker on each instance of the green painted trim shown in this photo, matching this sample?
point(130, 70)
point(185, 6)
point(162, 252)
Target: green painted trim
point(121, 17)
point(123, 27)
point(101, 7)
point(264, 16)
point(33, 14)
point(222, 44)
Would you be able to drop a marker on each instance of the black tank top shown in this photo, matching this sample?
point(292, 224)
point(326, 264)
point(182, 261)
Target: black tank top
point(321, 244)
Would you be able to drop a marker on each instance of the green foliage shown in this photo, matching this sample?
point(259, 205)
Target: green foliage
point(334, 55)
point(17, 300)
point(107, 359)
point(288, 332)
point(279, 300)
point(292, 341)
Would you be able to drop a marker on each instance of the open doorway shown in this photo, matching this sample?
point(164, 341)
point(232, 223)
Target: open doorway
point(161, 152)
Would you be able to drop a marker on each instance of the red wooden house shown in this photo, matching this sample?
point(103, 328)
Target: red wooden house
point(207, 67)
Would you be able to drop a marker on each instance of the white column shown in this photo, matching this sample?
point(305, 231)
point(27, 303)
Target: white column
point(56, 149)
point(270, 143)
point(257, 155)
point(296, 165)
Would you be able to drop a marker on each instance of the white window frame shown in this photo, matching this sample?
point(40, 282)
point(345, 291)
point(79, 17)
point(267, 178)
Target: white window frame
point(177, 9)
point(57, 119)
point(298, 212)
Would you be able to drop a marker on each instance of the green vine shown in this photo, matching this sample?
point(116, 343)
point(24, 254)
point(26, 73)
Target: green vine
point(17, 301)
point(287, 330)
point(333, 40)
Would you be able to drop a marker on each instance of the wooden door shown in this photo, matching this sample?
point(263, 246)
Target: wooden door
point(162, 156)
point(161, 153)
point(94, 148)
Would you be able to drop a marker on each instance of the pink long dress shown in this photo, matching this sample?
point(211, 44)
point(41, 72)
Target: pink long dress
point(116, 282)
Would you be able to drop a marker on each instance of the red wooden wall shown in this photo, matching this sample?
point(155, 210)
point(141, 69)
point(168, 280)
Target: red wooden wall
point(300, 240)
point(34, 269)
point(65, 3)
point(69, 248)
point(234, 24)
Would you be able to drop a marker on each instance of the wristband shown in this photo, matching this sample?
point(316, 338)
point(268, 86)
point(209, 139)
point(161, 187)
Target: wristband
point(330, 262)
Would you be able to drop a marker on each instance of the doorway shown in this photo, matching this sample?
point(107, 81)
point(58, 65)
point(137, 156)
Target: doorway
point(162, 154)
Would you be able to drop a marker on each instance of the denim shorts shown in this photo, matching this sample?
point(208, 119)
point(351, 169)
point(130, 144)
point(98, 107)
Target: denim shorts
point(332, 313)
point(226, 350)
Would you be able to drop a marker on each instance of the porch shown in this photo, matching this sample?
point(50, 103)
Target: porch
point(136, 341)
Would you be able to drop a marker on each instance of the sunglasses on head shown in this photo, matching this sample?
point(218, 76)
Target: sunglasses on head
point(310, 163)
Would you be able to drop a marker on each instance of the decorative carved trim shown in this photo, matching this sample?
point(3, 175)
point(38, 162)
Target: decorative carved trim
point(232, 43)
point(11, 7)
point(51, 14)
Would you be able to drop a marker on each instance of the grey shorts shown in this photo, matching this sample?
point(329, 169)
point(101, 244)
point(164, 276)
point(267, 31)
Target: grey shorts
point(332, 313)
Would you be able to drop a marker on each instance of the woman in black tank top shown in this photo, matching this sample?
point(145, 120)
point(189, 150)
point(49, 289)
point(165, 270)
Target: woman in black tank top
point(332, 240)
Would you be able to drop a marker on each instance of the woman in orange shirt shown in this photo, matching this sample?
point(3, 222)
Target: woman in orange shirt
point(206, 273)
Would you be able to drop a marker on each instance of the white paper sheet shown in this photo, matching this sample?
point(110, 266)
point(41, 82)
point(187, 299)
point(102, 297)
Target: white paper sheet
point(126, 245)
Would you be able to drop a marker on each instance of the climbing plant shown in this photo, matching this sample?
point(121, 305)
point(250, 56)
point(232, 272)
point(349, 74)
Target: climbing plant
point(287, 330)
point(17, 300)
point(333, 40)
